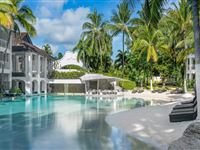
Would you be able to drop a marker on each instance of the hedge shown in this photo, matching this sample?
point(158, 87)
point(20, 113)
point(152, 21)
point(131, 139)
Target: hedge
point(73, 67)
point(67, 75)
point(127, 84)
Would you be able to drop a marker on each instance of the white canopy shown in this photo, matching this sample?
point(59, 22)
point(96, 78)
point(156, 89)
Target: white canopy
point(88, 77)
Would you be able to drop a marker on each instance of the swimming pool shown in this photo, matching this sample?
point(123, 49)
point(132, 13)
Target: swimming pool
point(64, 122)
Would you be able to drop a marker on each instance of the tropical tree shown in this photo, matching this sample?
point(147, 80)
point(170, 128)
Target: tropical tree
point(82, 53)
point(121, 57)
point(47, 49)
point(60, 55)
point(97, 42)
point(148, 42)
point(179, 18)
point(121, 22)
point(15, 16)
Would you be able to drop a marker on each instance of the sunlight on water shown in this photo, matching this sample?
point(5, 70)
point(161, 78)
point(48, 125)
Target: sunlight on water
point(58, 122)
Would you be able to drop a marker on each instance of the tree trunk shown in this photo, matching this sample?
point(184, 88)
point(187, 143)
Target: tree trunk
point(184, 74)
point(184, 80)
point(123, 54)
point(4, 62)
point(195, 12)
point(151, 78)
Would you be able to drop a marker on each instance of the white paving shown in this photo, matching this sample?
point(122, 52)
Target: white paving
point(151, 124)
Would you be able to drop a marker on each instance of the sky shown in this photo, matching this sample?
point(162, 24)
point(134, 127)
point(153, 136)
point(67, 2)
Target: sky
point(59, 22)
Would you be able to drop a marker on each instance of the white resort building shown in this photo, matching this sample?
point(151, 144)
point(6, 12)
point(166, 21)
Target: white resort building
point(7, 76)
point(31, 66)
point(28, 68)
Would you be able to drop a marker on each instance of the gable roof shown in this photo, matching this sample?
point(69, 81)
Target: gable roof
point(23, 42)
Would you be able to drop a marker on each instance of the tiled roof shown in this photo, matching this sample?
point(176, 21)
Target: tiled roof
point(19, 42)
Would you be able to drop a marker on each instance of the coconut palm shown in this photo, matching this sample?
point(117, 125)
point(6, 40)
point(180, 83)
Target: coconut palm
point(19, 15)
point(119, 59)
point(180, 20)
point(82, 53)
point(122, 23)
point(96, 39)
point(47, 49)
point(148, 42)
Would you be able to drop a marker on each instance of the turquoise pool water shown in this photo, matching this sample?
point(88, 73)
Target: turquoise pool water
point(62, 123)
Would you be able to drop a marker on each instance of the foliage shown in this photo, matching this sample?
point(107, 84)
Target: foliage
point(73, 67)
point(127, 85)
point(15, 90)
point(66, 75)
point(60, 55)
point(121, 22)
point(47, 49)
point(95, 43)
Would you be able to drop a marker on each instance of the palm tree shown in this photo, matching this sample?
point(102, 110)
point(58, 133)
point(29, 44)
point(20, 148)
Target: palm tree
point(47, 49)
point(148, 42)
point(180, 20)
point(19, 15)
point(120, 60)
point(122, 23)
point(5, 17)
point(96, 39)
point(82, 53)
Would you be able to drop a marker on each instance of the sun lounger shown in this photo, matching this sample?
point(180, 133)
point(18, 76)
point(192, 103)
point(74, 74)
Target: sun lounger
point(188, 102)
point(184, 111)
point(183, 116)
point(189, 105)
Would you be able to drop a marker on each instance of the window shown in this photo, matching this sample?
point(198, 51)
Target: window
point(188, 64)
point(193, 63)
point(193, 76)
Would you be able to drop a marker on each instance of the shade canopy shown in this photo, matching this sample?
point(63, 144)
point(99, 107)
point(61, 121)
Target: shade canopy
point(89, 77)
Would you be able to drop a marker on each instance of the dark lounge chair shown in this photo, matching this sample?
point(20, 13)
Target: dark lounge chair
point(188, 102)
point(183, 116)
point(187, 105)
point(186, 111)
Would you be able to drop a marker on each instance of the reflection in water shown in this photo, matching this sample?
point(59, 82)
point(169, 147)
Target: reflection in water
point(58, 122)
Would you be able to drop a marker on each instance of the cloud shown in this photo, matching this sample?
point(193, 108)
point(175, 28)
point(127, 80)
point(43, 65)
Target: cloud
point(65, 30)
point(45, 12)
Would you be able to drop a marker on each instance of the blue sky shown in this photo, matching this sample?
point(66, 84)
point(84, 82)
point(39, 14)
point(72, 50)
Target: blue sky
point(59, 22)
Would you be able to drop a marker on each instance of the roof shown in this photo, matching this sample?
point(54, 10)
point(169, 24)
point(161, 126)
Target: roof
point(23, 42)
point(65, 81)
point(88, 77)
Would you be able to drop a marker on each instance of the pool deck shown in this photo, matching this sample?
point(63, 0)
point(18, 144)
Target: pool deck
point(151, 124)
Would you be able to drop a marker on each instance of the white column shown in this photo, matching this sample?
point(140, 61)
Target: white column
point(45, 67)
point(38, 65)
point(38, 86)
point(28, 70)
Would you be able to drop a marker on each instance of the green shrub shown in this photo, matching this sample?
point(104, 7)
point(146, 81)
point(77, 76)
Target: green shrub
point(67, 75)
point(127, 84)
point(190, 83)
point(15, 90)
point(73, 67)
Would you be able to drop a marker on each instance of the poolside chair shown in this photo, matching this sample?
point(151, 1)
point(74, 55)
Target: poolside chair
point(186, 105)
point(184, 112)
point(183, 116)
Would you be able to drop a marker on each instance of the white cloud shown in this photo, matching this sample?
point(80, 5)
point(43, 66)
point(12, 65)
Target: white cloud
point(45, 12)
point(57, 4)
point(64, 30)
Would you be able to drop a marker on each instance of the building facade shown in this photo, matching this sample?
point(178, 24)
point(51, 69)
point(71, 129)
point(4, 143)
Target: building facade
point(190, 67)
point(7, 76)
point(31, 66)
